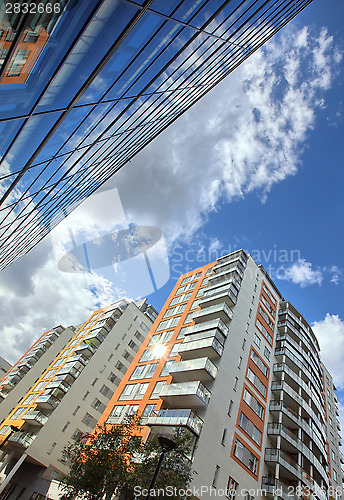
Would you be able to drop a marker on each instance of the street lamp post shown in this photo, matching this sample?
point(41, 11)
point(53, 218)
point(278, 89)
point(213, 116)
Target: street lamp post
point(166, 446)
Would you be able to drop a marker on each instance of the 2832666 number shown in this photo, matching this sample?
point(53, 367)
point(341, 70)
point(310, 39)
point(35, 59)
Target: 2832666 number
point(32, 8)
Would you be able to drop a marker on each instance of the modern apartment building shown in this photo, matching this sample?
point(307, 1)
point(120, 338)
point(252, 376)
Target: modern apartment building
point(69, 394)
point(4, 366)
point(234, 363)
point(98, 80)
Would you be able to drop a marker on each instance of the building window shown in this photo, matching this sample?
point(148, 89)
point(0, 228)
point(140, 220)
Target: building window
point(120, 366)
point(264, 331)
point(247, 326)
point(254, 404)
point(51, 449)
point(94, 382)
point(232, 488)
point(132, 345)
point(252, 301)
point(247, 496)
point(117, 346)
point(259, 363)
point(257, 340)
point(335, 476)
point(147, 412)
point(230, 408)
point(251, 430)
point(98, 405)
point(113, 378)
point(258, 384)
point(245, 456)
point(267, 353)
point(240, 361)
point(223, 439)
point(108, 393)
point(134, 391)
point(110, 357)
point(139, 336)
point(85, 395)
point(250, 313)
point(144, 371)
point(243, 344)
point(76, 410)
point(217, 468)
point(89, 420)
point(64, 428)
point(235, 383)
point(126, 354)
point(157, 389)
point(144, 327)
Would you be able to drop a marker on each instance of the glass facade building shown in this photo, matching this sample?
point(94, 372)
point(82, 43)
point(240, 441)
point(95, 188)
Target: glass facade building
point(84, 86)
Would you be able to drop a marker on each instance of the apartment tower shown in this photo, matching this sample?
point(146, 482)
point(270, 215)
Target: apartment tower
point(234, 363)
point(67, 397)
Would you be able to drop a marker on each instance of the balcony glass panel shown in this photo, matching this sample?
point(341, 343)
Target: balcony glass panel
point(176, 418)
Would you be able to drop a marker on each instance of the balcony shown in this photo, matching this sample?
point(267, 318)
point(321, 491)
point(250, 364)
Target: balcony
point(224, 278)
point(219, 295)
point(176, 418)
point(294, 418)
point(233, 259)
point(221, 311)
point(87, 350)
point(21, 439)
point(274, 487)
point(35, 418)
point(95, 338)
point(276, 429)
point(47, 401)
point(74, 369)
point(61, 385)
point(272, 455)
point(201, 369)
point(215, 324)
point(8, 384)
point(204, 348)
point(185, 395)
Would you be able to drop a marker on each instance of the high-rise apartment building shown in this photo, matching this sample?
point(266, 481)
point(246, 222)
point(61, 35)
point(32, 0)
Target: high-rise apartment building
point(98, 80)
point(238, 366)
point(71, 390)
point(4, 366)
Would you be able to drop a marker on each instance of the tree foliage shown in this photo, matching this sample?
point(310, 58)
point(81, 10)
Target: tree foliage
point(114, 458)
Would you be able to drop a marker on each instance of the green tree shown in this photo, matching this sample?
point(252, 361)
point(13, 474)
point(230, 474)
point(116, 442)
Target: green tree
point(115, 459)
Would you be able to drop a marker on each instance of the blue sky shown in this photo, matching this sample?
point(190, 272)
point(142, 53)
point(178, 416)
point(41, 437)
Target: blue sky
point(258, 164)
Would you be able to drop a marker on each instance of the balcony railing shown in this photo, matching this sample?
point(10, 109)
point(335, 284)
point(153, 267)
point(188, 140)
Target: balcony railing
point(47, 401)
point(221, 311)
point(283, 407)
point(35, 417)
point(209, 347)
point(215, 324)
point(185, 418)
point(22, 439)
point(220, 294)
point(191, 393)
point(194, 369)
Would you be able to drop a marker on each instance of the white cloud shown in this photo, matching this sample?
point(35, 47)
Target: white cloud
point(246, 135)
point(336, 275)
point(330, 333)
point(301, 273)
point(35, 296)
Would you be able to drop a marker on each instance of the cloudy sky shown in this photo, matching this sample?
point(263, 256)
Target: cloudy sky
point(257, 163)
